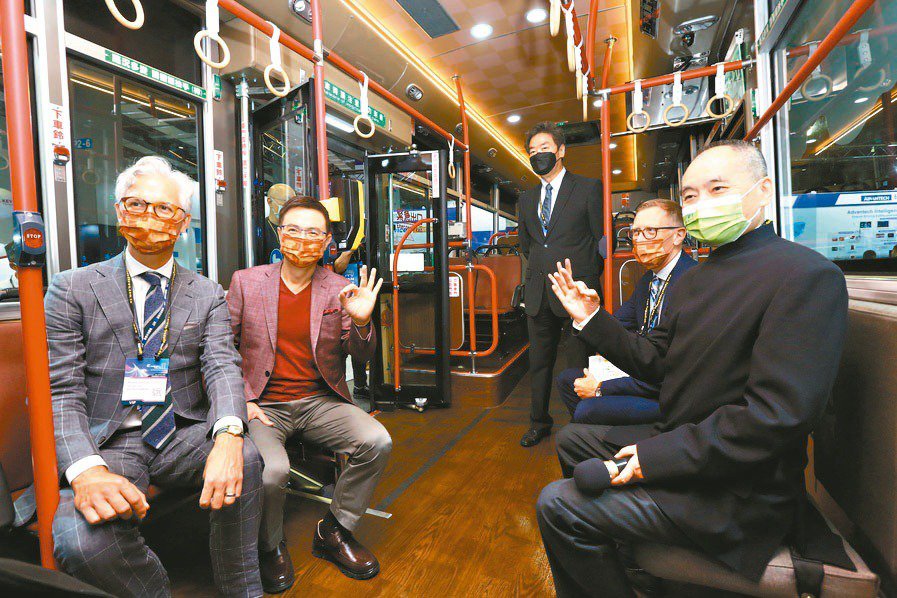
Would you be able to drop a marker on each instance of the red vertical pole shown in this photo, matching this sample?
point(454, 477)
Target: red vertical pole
point(608, 206)
point(317, 28)
point(17, 88)
point(470, 282)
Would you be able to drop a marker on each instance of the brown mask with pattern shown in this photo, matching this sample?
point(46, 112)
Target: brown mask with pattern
point(302, 253)
point(147, 233)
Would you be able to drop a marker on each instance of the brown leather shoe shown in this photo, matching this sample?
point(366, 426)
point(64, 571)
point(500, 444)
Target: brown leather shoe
point(276, 568)
point(343, 550)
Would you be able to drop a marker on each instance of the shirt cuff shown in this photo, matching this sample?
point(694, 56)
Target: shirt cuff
point(227, 420)
point(583, 324)
point(82, 465)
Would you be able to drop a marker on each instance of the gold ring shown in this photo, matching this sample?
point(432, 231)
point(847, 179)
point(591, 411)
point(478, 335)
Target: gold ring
point(820, 96)
point(358, 131)
point(137, 23)
point(197, 45)
point(730, 105)
point(635, 129)
point(286, 80)
point(685, 113)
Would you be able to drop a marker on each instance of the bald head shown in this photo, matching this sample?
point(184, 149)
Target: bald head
point(751, 156)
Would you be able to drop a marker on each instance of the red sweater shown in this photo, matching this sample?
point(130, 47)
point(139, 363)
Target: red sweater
point(295, 374)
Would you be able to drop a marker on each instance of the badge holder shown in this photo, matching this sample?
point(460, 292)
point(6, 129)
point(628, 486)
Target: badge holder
point(146, 381)
point(276, 64)
point(212, 31)
point(638, 102)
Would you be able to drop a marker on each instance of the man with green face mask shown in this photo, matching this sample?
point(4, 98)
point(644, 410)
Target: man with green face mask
point(746, 353)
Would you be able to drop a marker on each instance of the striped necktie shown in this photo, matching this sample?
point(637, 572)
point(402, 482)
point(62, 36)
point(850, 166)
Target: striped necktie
point(157, 425)
point(655, 291)
point(545, 210)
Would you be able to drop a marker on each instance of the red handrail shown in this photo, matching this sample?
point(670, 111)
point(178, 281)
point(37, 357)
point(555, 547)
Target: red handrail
point(698, 73)
point(317, 28)
point(467, 206)
point(247, 16)
point(606, 187)
point(841, 28)
point(16, 86)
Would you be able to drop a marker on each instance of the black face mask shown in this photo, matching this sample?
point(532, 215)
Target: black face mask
point(543, 162)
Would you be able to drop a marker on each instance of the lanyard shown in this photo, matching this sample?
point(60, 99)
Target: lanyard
point(649, 317)
point(138, 338)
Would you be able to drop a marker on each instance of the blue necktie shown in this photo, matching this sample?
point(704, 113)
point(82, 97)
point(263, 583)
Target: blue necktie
point(655, 291)
point(157, 425)
point(545, 212)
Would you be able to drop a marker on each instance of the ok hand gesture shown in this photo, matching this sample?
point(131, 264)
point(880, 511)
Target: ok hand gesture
point(579, 300)
point(359, 301)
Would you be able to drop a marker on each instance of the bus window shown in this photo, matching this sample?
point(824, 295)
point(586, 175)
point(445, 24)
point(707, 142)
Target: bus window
point(842, 139)
point(115, 121)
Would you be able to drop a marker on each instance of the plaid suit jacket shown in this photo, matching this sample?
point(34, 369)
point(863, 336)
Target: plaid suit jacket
point(90, 334)
point(253, 300)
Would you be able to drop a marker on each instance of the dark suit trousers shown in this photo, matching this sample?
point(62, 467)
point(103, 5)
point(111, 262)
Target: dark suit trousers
point(113, 555)
point(545, 330)
point(581, 533)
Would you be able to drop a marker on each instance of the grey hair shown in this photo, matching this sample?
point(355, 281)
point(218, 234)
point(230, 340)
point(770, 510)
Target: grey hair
point(754, 159)
point(156, 165)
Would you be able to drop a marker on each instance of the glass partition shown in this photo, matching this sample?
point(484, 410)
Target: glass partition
point(115, 121)
point(839, 138)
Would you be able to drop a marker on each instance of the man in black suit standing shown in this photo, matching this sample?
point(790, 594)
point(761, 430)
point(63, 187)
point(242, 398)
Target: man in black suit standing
point(560, 218)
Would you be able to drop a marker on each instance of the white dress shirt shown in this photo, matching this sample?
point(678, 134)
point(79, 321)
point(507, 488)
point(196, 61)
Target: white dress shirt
point(133, 420)
point(555, 187)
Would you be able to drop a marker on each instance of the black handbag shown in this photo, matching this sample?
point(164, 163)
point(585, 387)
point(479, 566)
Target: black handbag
point(517, 297)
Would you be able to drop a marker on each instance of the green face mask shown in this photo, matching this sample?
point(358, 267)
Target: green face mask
point(718, 220)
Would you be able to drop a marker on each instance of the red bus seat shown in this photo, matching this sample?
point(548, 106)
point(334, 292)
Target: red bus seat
point(15, 439)
point(507, 270)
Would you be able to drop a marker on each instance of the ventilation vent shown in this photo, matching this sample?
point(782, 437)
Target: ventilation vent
point(430, 15)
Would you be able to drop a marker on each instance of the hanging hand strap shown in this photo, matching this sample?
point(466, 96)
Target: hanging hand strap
point(212, 31)
point(363, 116)
point(276, 64)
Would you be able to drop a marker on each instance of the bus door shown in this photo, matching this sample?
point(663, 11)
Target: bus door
point(408, 228)
point(284, 163)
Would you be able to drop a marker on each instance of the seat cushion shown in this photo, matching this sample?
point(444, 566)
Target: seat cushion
point(687, 566)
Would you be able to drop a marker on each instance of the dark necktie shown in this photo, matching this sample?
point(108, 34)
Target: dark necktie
point(545, 212)
point(157, 425)
point(652, 305)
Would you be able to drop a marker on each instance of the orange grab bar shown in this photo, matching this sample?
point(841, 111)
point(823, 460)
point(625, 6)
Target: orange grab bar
point(606, 186)
point(16, 85)
point(317, 28)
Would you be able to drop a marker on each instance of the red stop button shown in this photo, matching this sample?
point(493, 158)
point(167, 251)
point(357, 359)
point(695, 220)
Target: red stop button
point(34, 239)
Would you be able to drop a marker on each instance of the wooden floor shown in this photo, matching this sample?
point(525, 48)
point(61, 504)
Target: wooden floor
point(462, 494)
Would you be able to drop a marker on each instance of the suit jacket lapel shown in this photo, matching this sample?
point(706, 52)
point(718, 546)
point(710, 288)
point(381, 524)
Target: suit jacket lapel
point(563, 194)
point(112, 296)
point(181, 306)
point(318, 301)
point(270, 299)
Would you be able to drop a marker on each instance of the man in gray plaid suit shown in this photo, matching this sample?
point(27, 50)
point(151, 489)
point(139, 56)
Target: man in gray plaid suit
point(113, 436)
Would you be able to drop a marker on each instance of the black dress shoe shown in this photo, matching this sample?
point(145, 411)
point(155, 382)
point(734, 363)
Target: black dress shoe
point(337, 545)
point(276, 569)
point(533, 436)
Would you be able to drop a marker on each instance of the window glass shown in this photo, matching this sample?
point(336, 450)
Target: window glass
point(115, 121)
point(482, 225)
point(842, 138)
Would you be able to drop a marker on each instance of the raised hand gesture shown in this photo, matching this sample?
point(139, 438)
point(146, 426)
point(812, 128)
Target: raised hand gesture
point(359, 301)
point(578, 299)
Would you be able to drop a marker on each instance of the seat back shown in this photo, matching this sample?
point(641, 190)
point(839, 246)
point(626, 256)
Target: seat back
point(15, 439)
point(507, 270)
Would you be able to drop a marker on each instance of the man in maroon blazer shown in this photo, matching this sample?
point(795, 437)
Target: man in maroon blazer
point(294, 324)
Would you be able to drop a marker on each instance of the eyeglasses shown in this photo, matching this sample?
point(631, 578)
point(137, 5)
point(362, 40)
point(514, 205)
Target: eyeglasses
point(313, 234)
point(649, 232)
point(165, 211)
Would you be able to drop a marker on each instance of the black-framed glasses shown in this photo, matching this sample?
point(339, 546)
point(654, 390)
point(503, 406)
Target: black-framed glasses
point(164, 210)
point(313, 234)
point(649, 232)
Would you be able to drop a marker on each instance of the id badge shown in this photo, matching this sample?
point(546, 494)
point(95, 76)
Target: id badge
point(146, 381)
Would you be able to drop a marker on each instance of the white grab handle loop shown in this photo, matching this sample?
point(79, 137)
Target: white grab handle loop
point(677, 103)
point(212, 32)
point(585, 98)
point(638, 102)
point(864, 50)
point(571, 47)
point(451, 161)
point(276, 64)
point(554, 17)
point(719, 84)
point(579, 70)
point(817, 75)
point(363, 88)
point(137, 23)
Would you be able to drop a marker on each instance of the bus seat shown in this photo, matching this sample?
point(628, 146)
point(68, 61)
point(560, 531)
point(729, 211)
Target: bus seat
point(684, 566)
point(507, 270)
point(15, 439)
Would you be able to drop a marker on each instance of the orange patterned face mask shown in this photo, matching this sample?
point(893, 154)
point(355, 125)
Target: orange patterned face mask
point(302, 253)
point(147, 233)
point(651, 254)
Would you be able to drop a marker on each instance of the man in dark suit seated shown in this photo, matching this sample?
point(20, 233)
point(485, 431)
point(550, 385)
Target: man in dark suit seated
point(657, 235)
point(559, 218)
point(747, 351)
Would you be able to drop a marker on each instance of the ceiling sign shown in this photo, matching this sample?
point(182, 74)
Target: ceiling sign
point(650, 11)
point(350, 102)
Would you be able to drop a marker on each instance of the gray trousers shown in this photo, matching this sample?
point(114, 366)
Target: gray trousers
point(582, 534)
point(336, 425)
point(113, 555)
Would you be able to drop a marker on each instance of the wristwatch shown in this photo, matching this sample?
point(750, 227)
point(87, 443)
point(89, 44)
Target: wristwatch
point(233, 429)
